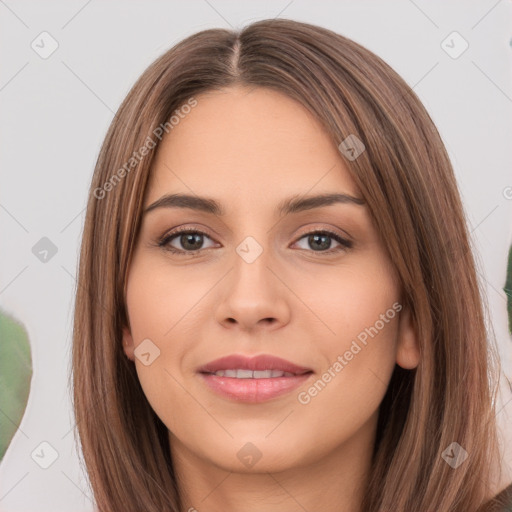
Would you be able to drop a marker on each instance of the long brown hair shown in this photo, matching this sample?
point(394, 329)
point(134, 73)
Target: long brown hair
point(408, 183)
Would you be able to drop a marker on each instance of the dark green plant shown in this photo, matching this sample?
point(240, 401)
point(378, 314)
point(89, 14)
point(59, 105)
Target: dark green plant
point(508, 289)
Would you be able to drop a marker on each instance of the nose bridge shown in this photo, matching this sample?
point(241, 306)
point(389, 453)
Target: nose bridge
point(252, 293)
point(251, 277)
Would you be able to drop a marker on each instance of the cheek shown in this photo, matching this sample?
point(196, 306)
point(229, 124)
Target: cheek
point(350, 387)
point(350, 300)
point(161, 300)
point(163, 309)
point(358, 335)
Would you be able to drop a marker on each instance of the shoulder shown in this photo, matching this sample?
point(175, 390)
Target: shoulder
point(502, 502)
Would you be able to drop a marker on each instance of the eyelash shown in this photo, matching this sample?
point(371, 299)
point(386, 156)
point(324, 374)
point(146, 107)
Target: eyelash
point(164, 241)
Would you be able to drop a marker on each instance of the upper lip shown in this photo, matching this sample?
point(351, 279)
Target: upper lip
point(261, 362)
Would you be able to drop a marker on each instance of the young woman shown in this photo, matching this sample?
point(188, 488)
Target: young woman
point(277, 305)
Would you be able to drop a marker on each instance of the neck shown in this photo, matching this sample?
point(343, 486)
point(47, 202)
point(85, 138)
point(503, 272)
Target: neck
point(326, 479)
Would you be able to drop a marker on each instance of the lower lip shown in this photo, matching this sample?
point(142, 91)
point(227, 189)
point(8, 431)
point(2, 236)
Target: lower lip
point(253, 390)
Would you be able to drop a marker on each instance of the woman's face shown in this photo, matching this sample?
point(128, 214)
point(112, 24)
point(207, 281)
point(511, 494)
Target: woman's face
point(263, 280)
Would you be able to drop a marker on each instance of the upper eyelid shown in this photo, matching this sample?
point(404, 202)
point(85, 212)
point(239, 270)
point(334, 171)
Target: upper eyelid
point(180, 230)
point(193, 229)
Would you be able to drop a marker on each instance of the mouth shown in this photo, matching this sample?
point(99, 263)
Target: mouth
point(256, 374)
point(253, 380)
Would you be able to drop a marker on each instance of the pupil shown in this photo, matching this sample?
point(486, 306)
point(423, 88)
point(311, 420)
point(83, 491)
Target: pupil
point(314, 239)
point(192, 237)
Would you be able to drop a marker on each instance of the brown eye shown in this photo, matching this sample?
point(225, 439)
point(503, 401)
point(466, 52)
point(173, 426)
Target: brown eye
point(321, 241)
point(191, 241)
point(184, 241)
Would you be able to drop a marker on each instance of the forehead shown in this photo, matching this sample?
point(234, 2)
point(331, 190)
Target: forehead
point(253, 143)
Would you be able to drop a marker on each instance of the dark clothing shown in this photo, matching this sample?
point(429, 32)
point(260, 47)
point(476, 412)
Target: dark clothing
point(502, 502)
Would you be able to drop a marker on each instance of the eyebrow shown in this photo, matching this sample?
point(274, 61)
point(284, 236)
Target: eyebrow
point(293, 204)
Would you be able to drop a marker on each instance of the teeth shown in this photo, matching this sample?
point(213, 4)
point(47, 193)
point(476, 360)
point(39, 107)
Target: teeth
point(249, 374)
point(266, 374)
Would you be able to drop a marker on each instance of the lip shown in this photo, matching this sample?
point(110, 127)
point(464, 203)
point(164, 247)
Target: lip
point(261, 362)
point(252, 390)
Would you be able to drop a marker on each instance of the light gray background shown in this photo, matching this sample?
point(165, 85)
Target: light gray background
point(55, 113)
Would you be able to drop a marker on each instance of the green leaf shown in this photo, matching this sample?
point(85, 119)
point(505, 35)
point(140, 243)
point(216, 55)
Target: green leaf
point(508, 289)
point(15, 377)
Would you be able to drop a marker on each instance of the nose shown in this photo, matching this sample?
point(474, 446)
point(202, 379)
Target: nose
point(253, 297)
